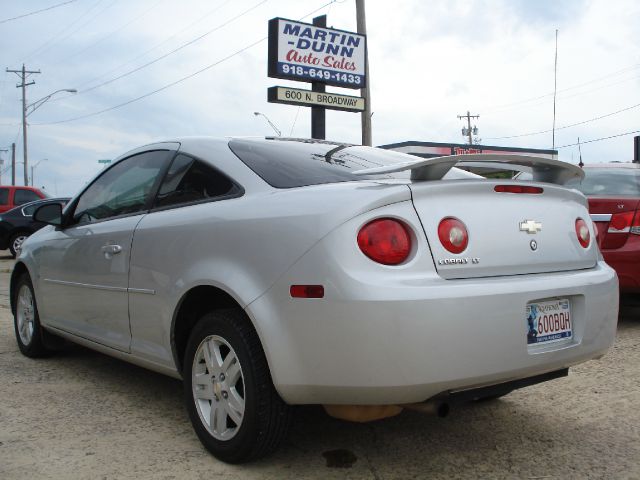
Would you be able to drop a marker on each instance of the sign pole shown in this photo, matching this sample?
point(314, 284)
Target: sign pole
point(318, 114)
point(366, 91)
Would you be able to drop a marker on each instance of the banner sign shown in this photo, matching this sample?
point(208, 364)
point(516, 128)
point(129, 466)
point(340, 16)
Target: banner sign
point(308, 98)
point(306, 53)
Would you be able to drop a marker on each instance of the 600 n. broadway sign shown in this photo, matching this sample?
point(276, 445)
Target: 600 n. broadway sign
point(304, 52)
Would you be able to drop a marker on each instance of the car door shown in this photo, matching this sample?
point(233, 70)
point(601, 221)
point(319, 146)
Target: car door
point(84, 266)
point(23, 195)
point(190, 204)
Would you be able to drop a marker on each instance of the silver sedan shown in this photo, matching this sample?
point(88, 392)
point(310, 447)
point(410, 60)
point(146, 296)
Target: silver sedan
point(273, 272)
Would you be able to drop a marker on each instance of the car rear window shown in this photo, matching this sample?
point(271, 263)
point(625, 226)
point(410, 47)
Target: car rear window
point(609, 182)
point(288, 163)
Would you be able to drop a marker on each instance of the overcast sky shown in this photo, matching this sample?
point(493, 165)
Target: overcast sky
point(430, 60)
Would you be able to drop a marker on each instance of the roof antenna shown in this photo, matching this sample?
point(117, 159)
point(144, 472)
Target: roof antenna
point(555, 90)
point(580, 164)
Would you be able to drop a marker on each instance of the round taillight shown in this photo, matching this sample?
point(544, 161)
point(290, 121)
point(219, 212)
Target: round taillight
point(385, 241)
point(453, 235)
point(582, 232)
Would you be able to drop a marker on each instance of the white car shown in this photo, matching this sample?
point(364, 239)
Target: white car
point(273, 272)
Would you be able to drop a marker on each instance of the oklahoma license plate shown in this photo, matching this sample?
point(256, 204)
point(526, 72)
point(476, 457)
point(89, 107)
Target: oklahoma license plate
point(548, 321)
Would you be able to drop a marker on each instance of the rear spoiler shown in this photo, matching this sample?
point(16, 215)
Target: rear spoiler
point(542, 169)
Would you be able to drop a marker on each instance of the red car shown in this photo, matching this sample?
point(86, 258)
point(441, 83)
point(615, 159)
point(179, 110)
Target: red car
point(613, 191)
point(12, 196)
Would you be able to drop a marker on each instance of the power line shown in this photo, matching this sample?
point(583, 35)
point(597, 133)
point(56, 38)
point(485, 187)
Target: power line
point(48, 44)
point(198, 20)
point(184, 45)
point(37, 11)
point(112, 32)
point(54, 38)
point(148, 94)
point(600, 139)
point(566, 126)
point(176, 82)
point(506, 106)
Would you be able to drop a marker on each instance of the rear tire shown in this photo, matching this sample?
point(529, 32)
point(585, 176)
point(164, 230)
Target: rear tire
point(233, 405)
point(31, 337)
point(16, 242)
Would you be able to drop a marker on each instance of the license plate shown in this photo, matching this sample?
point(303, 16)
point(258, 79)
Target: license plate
point(548, 321)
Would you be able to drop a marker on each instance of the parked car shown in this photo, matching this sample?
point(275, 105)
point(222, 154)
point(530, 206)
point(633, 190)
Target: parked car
point(613, 191)
point(12, 196)
point(273, 272)
point(18, 224)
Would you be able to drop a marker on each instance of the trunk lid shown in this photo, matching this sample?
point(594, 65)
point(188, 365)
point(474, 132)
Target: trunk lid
point(497, 244)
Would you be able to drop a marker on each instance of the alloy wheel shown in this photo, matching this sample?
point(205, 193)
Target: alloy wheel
point(17, 243)
point(218, 387)
point(25, 315)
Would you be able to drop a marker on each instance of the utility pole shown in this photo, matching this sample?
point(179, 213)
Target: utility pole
point(469, 131)
point(24, 74)
point(2, 163)
point(13, 164)
point(366, 91)
point(318, 114)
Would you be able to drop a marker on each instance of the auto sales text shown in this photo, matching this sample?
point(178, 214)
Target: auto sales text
point(330, 45)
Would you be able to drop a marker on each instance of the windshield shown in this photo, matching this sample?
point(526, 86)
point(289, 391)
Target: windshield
point(624, 182)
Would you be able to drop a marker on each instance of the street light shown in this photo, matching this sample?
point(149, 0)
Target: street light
point(34, 166)
point(270, 122)
point(25, 112)
point(38, 103)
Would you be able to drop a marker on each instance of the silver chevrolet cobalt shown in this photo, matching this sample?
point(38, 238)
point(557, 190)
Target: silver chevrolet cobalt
point(273, 272)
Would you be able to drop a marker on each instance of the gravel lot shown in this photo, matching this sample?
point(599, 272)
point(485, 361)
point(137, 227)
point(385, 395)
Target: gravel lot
point(81, 414)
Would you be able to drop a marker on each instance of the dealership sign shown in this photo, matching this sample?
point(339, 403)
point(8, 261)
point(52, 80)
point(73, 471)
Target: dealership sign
point(306, 53)
point(308, 98)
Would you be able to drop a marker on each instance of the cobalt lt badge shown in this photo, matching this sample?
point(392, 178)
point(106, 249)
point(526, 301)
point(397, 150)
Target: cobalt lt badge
point(534, 245)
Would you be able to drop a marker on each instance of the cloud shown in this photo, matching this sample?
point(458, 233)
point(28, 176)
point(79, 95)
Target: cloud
point(430, 61)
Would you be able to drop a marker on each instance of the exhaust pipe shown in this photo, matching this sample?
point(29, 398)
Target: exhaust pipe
point(430, 407)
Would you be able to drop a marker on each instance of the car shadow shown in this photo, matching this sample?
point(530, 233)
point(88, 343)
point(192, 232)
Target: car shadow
point(501, 434)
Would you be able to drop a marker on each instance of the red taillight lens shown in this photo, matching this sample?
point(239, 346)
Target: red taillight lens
point(385, 241)
point(517, 189)
point(582, 232)
point(635, 226)
point(453, 235)
point(620, 222)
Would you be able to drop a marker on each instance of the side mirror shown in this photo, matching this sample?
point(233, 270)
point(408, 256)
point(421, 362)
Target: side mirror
point(50, 214)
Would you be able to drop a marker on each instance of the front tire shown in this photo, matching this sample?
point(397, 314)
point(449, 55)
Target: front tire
point(233, 405)
point(29, 333)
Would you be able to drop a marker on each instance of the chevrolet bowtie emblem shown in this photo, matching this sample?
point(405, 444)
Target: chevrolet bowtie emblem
point(530, 226)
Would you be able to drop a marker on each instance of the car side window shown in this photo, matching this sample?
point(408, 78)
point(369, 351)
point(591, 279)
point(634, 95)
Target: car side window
point(21, 197)
point(4, 196)
point(28, 211)
point(123, 189)
point(190, 180)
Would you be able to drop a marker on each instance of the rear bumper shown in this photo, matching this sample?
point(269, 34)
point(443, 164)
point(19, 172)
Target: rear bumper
point(373, 342)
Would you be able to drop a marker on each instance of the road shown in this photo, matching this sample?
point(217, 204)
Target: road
point(81, 414)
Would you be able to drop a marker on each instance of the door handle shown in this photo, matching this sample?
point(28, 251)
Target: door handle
point(110, 250)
